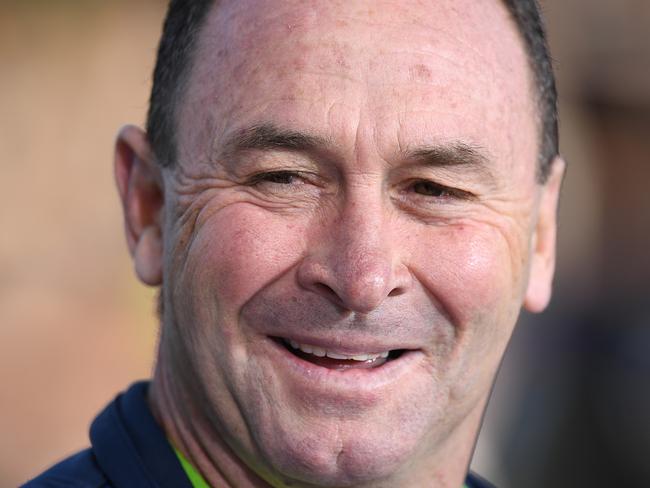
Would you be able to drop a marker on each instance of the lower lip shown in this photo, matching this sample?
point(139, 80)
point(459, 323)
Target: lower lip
point(358, 379)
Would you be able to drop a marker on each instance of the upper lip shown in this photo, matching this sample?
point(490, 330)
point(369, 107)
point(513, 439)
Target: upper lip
point(348, 345)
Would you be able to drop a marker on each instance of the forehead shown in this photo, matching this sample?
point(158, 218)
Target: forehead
point(403, 72)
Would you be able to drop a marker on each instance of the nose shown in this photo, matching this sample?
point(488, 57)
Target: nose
point(355, 262)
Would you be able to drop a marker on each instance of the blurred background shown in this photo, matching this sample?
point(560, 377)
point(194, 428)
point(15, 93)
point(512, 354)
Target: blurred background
point(571, 407)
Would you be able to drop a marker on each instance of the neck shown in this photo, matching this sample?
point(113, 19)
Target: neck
point(202, 446)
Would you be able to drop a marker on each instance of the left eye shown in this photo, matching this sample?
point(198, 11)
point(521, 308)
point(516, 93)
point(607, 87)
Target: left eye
point(428, 188)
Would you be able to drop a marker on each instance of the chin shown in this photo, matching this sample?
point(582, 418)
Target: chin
point(331, 456)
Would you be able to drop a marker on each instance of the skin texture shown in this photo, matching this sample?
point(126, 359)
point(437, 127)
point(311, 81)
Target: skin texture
point(404, 214)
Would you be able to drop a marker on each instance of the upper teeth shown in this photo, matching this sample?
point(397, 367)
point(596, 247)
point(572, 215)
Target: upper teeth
point(320, 352)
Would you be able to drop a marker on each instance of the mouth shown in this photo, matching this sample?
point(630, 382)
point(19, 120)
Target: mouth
point(336, 359)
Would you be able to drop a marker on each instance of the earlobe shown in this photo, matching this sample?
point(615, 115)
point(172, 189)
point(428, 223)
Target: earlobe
point(140, 185)
point(148, 256)
point(542, 267)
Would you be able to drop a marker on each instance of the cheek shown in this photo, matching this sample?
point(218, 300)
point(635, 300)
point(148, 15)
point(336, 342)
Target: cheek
point(240, 251)
point(469, 270)
point(474, 274)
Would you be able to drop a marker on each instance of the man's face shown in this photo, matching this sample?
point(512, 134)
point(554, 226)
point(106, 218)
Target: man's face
point(354, 178)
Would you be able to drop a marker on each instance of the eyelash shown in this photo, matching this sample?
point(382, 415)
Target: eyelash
point(441, 191)
point(273, 177)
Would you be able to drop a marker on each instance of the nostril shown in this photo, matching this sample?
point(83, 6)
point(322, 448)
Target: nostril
point(351, 282)
point(395, 292)
point(326, 290)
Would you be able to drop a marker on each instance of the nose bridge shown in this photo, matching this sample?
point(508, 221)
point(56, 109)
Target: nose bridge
point(359, 258)
point(355, 262)
point(360, 244)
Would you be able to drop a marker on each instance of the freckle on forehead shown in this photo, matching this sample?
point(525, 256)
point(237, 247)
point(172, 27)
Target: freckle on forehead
point(420, 72)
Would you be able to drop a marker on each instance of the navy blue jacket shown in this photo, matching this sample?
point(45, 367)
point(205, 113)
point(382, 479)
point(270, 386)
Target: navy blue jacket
point(129, 450)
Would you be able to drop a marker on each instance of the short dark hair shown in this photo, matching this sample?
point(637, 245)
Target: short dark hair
point(531, 27)
point(177, 48)
point(175, 56)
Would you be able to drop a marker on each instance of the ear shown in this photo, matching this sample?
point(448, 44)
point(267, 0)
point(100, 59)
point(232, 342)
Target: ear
point(542, 268)
point(140, 184)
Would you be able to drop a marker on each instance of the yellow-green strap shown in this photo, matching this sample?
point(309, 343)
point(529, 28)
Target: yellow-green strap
point(195, 477)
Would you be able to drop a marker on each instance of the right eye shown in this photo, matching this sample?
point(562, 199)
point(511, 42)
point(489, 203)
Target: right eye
point(277, 177)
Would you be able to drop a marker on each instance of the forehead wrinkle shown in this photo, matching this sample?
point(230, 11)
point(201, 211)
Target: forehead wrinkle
point(296, 26)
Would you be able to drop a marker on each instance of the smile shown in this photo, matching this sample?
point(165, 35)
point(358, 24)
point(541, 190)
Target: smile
point(387, 367)
point(336, 359)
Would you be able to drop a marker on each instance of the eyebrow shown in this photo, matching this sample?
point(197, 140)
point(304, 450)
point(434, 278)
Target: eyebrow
point(450, 155)
point(270, 137)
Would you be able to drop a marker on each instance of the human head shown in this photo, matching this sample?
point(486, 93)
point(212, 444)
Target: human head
point(356, 177)
point(185, 18)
